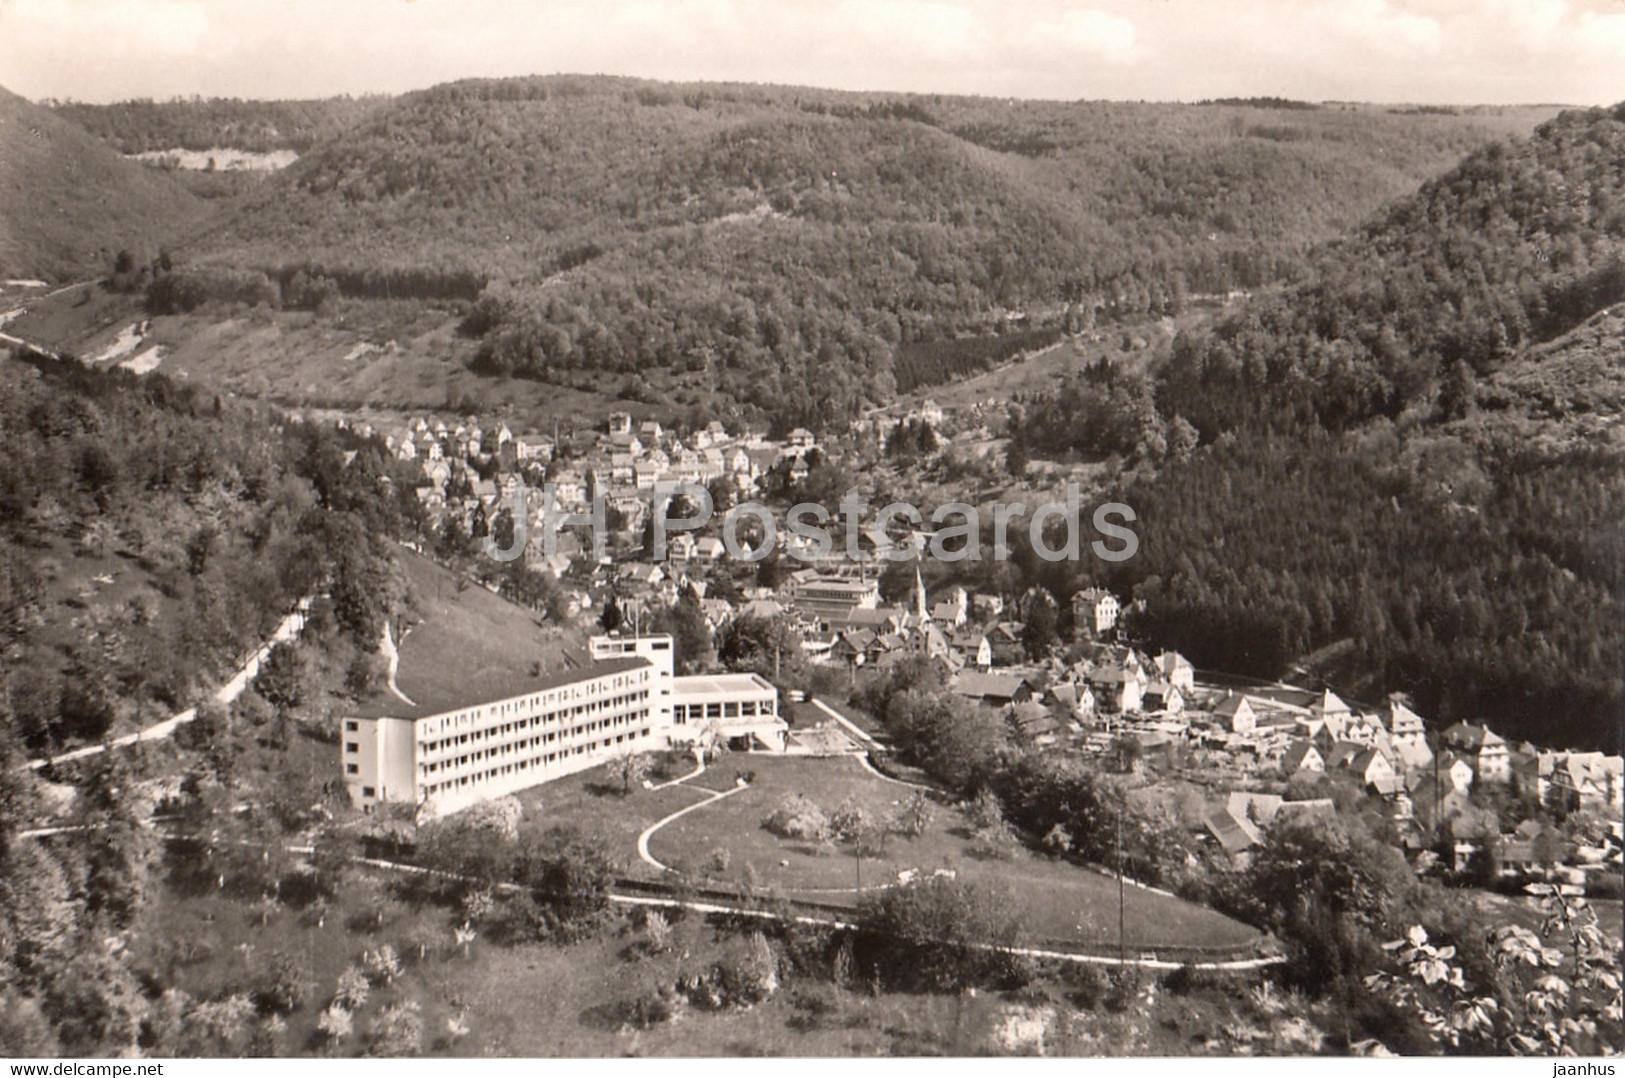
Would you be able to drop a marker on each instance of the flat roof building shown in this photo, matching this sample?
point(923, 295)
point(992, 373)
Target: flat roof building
point(524, 732)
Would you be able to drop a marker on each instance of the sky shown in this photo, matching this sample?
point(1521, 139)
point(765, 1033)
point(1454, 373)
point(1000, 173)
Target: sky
point(1417, 51)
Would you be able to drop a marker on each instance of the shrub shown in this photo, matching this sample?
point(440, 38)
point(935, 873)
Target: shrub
point(499, 816)
point(750, 975)
point(799, 818)
point(398, 1030)
point(353, 989)
point(657, 1006)
point(656, 932)
point(944, 934)
point(335, 1023)
point(287, 987)
point(1086, 984)
point(381, 964)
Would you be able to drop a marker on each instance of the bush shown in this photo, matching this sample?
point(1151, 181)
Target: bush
point(749, 975)
point(398, 1030)
point(799, 818)
point(657, 1006)
point(1126, 984)
point(500, 816)
point(1186, 980)
point(353, 989)
point(944, 934)
point(1086, 984)
point(287, 988)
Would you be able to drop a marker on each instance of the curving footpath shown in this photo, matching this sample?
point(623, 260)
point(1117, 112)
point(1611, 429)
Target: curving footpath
point(712, 797)
point(290, 627)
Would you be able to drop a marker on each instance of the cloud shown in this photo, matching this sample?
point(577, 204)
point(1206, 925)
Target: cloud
point(1448, 51)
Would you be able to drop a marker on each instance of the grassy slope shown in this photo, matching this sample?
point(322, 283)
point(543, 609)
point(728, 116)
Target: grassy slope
point(68, 202)
point(1063, 904)
point(462, 636)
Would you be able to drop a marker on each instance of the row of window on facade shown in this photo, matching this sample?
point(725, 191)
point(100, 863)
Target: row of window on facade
point(731, 709)
point(464, 781)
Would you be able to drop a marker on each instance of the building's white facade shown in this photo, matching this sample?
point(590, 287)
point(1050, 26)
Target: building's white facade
point(625, 700)
point(823, 598)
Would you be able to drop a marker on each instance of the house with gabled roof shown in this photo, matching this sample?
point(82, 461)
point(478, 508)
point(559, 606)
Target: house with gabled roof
point(1177, 671)
point(1074, 697)
point(1483, 748)
point(1376, 771)
point(1119, 688)
point(973, 647)
point(992, 690)
point(1034, 724)
point(929, 640)
point(1005, 639)
point(1235, 837)
point(1455, 772)
point(1236, 714)
point(1163, 696)
point(1329, 705)
point(1409, 736)
point(852, 646)
point(1301, 757)
point(1094, 610)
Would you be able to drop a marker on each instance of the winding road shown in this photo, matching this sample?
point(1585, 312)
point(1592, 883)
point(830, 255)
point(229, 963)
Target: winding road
point(289, 628)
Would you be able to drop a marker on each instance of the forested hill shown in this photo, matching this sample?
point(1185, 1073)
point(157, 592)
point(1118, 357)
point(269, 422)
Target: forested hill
point(68, 202)
point(788, 239)
point(1419, 452)
point(198, 123)
point(1519, 243)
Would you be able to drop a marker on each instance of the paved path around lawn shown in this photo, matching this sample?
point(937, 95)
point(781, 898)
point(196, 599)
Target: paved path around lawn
point(699, 769)
point(290, 627)
point(711, 798)
point(863, 735)
point(863, 761)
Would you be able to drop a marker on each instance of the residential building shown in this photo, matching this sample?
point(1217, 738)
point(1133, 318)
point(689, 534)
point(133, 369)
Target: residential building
point(1094, 611)
point(497, 739)
point(823, 598)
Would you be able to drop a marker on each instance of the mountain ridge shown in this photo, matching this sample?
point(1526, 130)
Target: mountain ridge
point(68, 202)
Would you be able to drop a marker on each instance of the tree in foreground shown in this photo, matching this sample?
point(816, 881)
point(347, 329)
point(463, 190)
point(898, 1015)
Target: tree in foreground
point(943, 934)
point(631, 767)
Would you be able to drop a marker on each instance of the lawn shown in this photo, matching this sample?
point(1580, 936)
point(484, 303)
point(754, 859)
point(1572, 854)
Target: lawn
point(469, 645)
point(1064, 904)
point(591, 804)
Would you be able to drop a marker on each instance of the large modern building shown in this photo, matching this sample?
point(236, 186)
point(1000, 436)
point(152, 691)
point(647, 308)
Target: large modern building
point(448, 756)
point(825, 598)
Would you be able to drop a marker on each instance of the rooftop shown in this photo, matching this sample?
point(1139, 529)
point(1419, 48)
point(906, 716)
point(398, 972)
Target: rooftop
point(721, 686)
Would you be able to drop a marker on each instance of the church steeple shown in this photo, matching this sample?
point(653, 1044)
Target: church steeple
point(920, 609)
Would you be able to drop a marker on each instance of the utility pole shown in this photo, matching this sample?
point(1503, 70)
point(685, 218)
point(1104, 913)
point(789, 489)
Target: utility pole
point(1122, 946)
